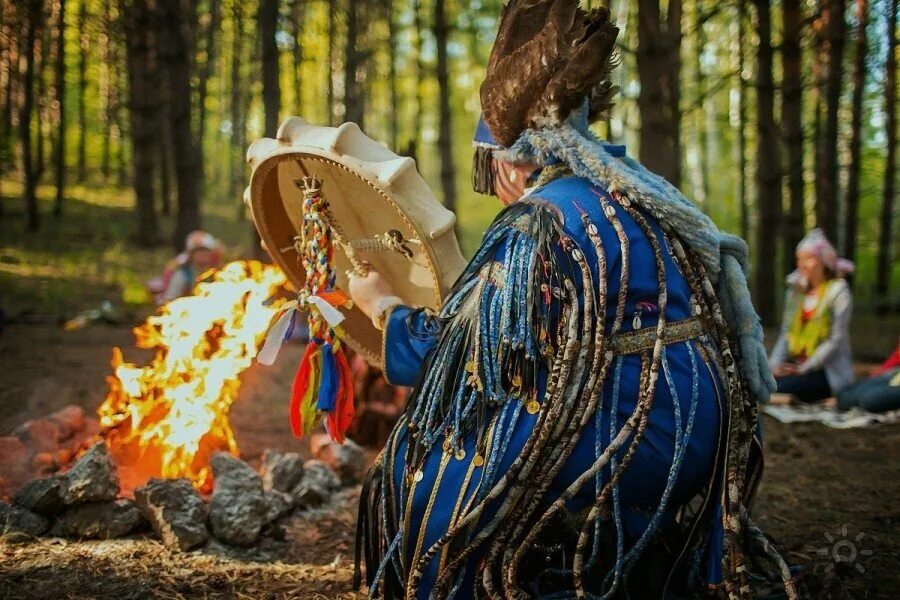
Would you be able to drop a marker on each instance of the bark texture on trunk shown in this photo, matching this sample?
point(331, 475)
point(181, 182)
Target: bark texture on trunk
point(659, 69)
point(60, 86)
point(768, 170)
point(792, 125)
point(885, 253)
point(827, 176)
point(851, 224)
point(82, 90)
point(354, 68)
point(445, 130)
point(175, 53)
point(33, 11)
point(268, 27)
point(143, 109)
point(209, 67)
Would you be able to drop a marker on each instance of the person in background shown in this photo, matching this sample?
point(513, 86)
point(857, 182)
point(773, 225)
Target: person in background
point(202, 252)
point(878, 393)
point(811, 359)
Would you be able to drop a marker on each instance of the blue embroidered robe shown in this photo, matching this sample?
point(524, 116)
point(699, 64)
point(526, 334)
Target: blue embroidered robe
point(686, 419)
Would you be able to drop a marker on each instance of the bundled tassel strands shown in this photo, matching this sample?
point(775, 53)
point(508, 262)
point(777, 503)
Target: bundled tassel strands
point(323, 386)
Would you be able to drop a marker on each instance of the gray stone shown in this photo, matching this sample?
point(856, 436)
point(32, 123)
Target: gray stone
point(92, 478)
point(281, 471)
point(318, 484)
point(347, 460)
point(42, 496)
point(175, 510)
point(102, 520)
point(15, 519)
point(278, 504)
point(237, 510)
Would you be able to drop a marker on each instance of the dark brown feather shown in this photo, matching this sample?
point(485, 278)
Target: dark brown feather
point(550, 55)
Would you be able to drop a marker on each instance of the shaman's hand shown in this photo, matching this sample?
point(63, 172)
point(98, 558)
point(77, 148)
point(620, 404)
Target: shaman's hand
point(373, 295)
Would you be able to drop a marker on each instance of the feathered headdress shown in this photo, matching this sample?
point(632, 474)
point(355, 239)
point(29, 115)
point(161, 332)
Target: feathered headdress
point(549, 57)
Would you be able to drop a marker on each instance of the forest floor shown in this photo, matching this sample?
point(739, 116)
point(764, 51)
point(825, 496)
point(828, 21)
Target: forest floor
point(822, 487)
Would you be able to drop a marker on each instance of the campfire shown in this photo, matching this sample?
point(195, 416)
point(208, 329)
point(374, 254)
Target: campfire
point(167, 418)
point(163, 456)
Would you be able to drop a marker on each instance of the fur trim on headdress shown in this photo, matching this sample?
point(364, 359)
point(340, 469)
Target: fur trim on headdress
point(550, 56)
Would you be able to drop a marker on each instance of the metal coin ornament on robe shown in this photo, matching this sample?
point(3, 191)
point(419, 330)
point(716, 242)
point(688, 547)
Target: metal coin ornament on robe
point(379, 211)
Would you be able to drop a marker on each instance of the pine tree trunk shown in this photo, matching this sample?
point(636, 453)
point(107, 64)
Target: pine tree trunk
point(768, 170)
point(60, 86)
point(175, 51)
point(143, 108)
point(743, 201)
point(33, 10)
point(885, 254)
point(659, 67)
point(792, 125)
point(238, 125)
point(107, 73)
point(209, 66)
point(268, 26)
point(11, 89)
point(6, 74)
point(165, 163)
point(42, 108)
point(415, 142)
point(82, 90)
point(445, 130)
point(700, 139)
point(354, 99)
point(297, 15)
point(851, 224)
point(827, 177)
point(393, 116)
point(329, 84)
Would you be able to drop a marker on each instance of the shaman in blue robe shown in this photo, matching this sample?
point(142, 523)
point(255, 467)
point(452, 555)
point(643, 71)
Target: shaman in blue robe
point(568, 422)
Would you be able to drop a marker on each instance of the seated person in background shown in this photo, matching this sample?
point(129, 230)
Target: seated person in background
point(878, 393)
point(811, 359)
point(201, 252)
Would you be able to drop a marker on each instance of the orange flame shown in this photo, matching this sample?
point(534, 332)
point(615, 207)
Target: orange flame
point(167, 418)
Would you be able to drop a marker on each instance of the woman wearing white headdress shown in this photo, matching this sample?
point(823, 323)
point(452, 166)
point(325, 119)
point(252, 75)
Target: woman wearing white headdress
point(812, 358)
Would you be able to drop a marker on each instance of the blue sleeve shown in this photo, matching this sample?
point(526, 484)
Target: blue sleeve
point(408, 336)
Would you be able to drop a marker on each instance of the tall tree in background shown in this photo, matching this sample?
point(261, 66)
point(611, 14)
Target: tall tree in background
point(267, 18)
point(175, 52)
point(394, 122)
point(851, 223)
point(140, 23)
point(107, 85)
point(60, 85)
point(238, 121)
point(84, 45)
point(743, 202)
point(42, 104)
point(354, 57)
point(768, 168)
point(885, 254)
point(209, 65)
point(415, 141)
point(33, 17)
point(8, 73)
point(659, 69)
point(792, 125)
point(827, 176)
point(332, 40)
point(445, 127)
point(297, 18)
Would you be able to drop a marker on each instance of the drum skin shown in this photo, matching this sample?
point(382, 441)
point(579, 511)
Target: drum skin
point(380, 209)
